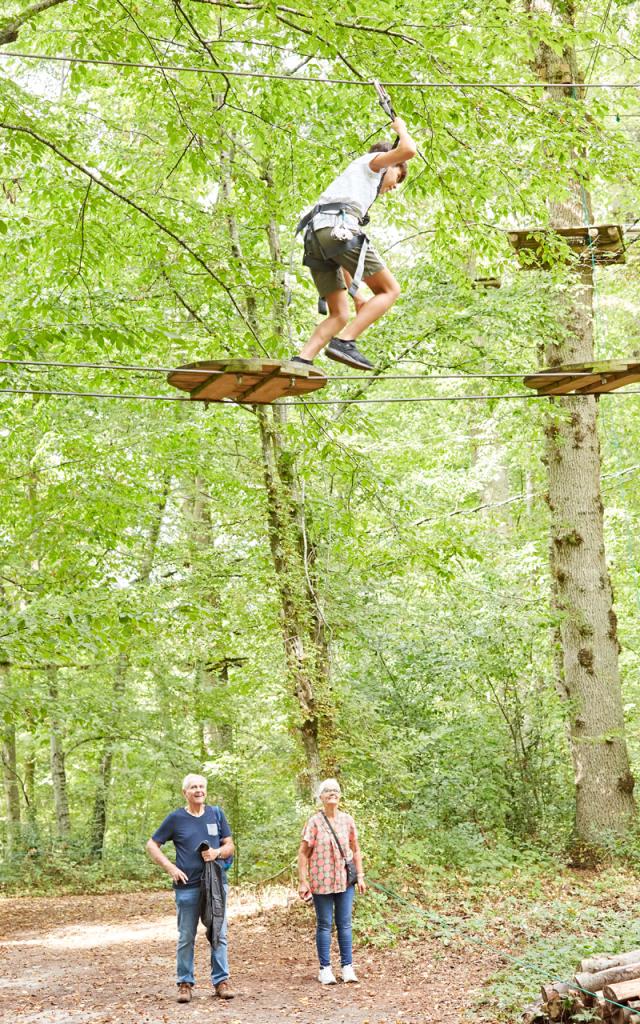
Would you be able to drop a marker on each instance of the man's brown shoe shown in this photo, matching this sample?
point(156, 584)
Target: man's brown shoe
point(224, 990)
point(184, 992)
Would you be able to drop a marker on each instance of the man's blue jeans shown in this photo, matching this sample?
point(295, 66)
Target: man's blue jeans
point(324, 904)
point(187, 906)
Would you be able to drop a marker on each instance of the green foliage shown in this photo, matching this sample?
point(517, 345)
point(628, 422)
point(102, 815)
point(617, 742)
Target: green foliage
point(147, 218)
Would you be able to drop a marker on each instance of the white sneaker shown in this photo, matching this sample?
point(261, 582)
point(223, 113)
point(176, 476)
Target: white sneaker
point(326, 976)
point(348, 974)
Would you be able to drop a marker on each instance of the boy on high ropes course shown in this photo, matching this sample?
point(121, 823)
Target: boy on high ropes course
point(339, 255)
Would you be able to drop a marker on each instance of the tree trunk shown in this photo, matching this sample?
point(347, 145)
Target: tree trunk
point(590, 681)
point(105, 767)
point(10, 774)
point(103, 781)
point(213, 679)
point(297, 614)
point(303, 625)
point(30, 788)
point(58, 773)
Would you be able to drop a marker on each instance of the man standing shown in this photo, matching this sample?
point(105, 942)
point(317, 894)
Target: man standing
point(189, 828)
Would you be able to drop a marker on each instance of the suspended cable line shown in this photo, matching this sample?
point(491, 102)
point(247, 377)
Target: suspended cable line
point(93, 394)
point(116, 367)
point(134, 368)
point(227, 72)
point(304, 402)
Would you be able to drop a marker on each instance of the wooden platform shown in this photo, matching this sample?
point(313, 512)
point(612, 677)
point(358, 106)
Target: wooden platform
point(252, 381)
point(487, 282)
point(601, 243)
point(586, 378)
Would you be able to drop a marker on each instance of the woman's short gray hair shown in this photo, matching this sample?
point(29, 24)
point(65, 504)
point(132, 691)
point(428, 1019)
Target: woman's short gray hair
point(328, 784)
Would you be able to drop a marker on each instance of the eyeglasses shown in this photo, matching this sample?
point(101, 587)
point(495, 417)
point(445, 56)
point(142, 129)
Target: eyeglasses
point(330, 792)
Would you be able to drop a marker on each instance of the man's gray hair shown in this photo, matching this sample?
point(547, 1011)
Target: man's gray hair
point(327, 784)
point(188, 779)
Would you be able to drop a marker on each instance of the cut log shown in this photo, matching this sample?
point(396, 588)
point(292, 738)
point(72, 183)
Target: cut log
point(555, 989)
point(623, 991)
point(533, 1014)
point(597, 981)
point(563, 1006)
point(602, 963)
point(621, 1014)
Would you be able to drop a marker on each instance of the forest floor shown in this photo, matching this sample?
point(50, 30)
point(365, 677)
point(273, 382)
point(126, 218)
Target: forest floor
point(109, 959)
point(486, 947)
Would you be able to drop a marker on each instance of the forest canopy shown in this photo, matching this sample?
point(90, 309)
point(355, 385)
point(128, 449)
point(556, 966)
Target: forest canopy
point(360, 586)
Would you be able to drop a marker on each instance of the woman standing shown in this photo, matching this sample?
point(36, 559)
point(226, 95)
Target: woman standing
point(329, 843)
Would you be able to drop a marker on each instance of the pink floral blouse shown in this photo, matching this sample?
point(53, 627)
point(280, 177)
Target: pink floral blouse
point(327, 872)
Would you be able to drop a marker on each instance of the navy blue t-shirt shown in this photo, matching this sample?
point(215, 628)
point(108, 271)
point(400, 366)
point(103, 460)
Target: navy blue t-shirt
point(187, 832)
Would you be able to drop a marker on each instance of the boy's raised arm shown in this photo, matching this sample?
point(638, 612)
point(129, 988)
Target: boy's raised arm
point(405, 150)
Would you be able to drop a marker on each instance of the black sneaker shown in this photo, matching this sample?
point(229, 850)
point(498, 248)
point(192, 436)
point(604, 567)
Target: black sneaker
point(299, 359)
point(346, 352)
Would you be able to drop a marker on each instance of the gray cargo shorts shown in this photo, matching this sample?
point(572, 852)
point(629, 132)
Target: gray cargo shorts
point(330, 277)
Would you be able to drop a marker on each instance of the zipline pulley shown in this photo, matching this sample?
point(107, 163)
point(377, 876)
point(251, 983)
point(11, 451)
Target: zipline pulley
point(384, 100)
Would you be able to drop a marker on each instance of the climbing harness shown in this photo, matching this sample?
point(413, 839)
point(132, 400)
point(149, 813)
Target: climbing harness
point(346, 234)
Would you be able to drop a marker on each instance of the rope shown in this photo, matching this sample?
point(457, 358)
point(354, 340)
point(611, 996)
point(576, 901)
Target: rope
point(116, 367)
point(318, 81)
point(104, 366)
point(91, 394)
point(305, 402)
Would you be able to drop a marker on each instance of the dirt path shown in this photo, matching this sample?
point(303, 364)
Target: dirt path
point(110, 960)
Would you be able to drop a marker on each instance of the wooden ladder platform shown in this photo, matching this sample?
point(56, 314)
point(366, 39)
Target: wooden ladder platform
point(252, 381)
point(537, 248)
point(586, 378)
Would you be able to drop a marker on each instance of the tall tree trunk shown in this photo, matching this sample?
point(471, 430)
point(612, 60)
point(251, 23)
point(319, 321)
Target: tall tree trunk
point(10, 772)
point(105, 765)
point(590, 681)
point(303, 625)
point(30, 787)
point(213, 679)
point(58, 771)
point(297, 615)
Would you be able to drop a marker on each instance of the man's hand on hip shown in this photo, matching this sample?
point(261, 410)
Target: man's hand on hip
point(177, 874)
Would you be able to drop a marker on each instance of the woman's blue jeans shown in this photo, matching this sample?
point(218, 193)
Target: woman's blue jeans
point(324, 904)
point(188, 910)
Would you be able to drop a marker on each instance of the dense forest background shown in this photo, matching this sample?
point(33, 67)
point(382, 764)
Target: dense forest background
point(156, 556)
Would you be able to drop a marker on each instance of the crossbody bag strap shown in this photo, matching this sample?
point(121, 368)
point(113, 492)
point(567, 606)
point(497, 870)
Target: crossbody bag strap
point(334, 836)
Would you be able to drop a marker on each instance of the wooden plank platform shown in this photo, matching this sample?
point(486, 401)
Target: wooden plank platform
point(586, 378)
point(252, 381)
point(599, 243)
point(487, 282)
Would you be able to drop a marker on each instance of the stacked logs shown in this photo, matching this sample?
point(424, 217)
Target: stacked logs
point(600, 984)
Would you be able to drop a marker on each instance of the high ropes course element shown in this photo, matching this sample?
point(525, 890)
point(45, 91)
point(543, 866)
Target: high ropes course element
point(589, 245)
point(250, 381)
point(256, 375)
point(259, 381)
point(594, 378)
point(233, 73)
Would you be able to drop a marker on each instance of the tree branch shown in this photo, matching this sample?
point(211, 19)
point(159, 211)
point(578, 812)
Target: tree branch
point(9, 31)
point(352, 25)
point(142, 211)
